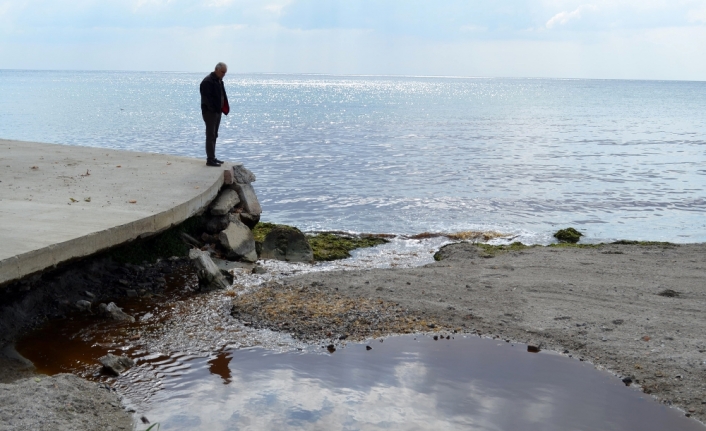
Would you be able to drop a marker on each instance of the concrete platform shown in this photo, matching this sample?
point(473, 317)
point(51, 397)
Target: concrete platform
point(60, 202)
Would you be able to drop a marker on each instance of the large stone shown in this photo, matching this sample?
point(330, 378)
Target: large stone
point(116, 364)
point(285, 243)
point(249, 220)
point(83, 305)
point(228, 176)
point(116, 313)
point(209, 275)
point(248, 198)
point(238, 241)
point(216, 224)
point(225, 201)
point(242, 175)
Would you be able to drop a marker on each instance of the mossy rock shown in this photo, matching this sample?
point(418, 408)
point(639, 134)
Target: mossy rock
point(285, 243)
point(326, 246)
point(263, 228)
point(329, 246)
point(569, 235)
point(482, 250)
point(494, 250)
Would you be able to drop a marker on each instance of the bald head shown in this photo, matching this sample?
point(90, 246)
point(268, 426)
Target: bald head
point(220, 70)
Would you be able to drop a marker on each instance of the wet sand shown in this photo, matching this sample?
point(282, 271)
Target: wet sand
point(600, 304)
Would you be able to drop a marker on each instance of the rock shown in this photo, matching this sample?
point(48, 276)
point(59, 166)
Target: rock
point(216, 224)
point(131, 293)
point(248, 198)
point(533, 349)
point(259, 270)
point(627, 381)
point(190, 240)
point(230, 278)
point(569, 235)
point(228, 176)
point(286, 243)
point(209, 275)
point(83, 305)
point(116, 364)
point(238, 241)
point(242, 175)
point(89, 294)
point(225, 201)
point(209, 239)
point(249, 220)
point(116, 313)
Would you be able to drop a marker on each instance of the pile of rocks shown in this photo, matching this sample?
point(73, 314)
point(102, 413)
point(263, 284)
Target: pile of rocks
point(229, 221)
point(232, 215)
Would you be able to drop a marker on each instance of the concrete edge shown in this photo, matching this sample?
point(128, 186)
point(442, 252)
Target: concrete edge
point(35, 261)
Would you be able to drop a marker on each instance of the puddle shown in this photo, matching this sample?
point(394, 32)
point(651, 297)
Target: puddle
point(197, 368)
point(403, 383)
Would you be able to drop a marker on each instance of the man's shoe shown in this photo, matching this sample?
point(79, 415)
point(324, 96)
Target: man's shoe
point(218, 161)
point(213, 163)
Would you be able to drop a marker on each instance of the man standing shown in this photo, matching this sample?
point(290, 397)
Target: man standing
point(214, 102)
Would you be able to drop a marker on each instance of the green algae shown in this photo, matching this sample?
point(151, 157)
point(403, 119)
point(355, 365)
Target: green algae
point(162, 245)
point(494, 250)
point(573, 245)
point(645, 243)
point(263, 228)
point(568, 235)
point(329, 246)
point(326, 246)
point(488, 250)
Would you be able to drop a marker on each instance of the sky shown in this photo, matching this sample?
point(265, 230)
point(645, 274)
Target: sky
point(614, 39)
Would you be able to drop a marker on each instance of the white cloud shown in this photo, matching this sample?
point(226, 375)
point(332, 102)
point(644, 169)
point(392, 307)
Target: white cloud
point(697, 15)
point(220, 3)
point(473, 29)
point(277, 8)
point(563, 17)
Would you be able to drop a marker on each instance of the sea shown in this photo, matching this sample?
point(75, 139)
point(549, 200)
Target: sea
point(614, 159)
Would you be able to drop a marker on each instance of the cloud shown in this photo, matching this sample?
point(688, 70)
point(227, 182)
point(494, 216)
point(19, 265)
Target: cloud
point(697, 15)
point(473, 29)
point(563, 17)
point(277, 8)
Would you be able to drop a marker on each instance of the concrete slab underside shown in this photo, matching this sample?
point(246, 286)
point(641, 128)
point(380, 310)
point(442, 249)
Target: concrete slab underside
point(59, 202)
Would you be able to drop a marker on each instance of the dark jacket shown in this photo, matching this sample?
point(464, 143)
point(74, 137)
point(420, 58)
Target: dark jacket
point(212, 89)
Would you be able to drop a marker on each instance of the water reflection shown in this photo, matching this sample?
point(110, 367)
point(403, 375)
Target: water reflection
point(403, 383)
point(219, 367)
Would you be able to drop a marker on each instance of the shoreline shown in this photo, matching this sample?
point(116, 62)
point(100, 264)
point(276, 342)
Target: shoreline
point(591, 302)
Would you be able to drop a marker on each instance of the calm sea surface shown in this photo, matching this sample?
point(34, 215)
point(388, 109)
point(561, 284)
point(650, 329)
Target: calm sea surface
point(615, 159)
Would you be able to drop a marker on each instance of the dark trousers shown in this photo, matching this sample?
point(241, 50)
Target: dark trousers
point(212, 120)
